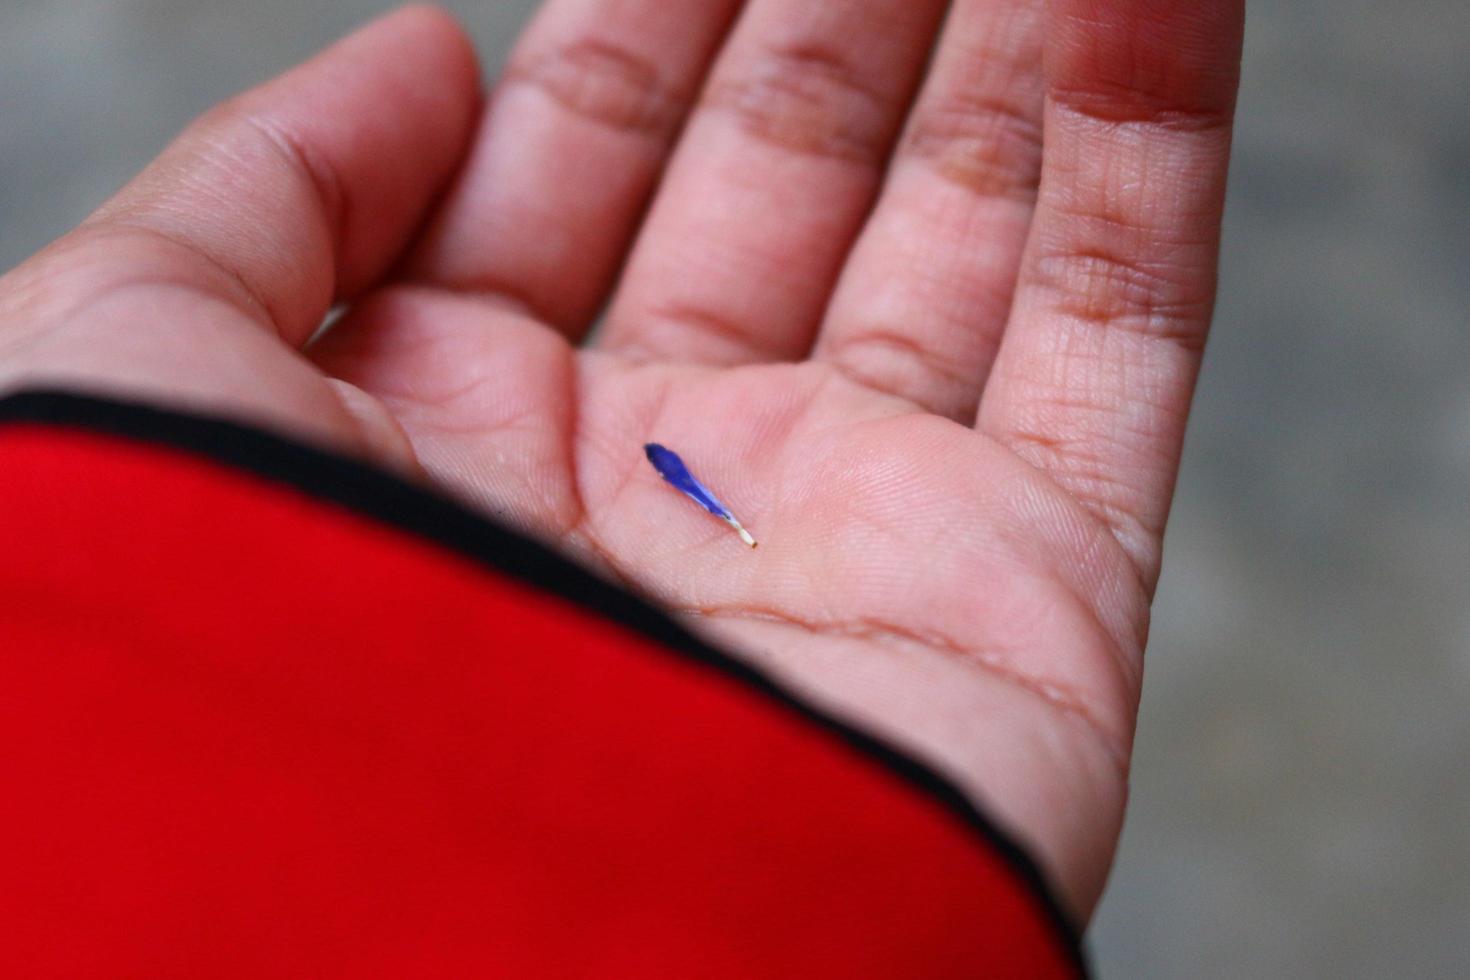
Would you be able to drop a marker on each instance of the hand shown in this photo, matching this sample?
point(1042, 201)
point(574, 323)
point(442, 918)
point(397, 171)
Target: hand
point(939, 365)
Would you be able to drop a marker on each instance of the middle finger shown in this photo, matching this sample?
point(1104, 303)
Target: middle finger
point(774, 176)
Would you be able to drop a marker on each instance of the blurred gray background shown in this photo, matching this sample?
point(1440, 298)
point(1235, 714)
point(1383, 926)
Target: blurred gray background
point(1301, 800)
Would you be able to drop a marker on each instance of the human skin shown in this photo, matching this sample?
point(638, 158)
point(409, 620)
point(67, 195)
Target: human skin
point(932, 337)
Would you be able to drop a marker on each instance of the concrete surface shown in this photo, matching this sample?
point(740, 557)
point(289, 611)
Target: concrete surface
point(1302, 793)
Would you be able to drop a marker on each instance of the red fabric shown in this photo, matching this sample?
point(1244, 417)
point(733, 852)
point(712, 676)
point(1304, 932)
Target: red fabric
point(245, 733)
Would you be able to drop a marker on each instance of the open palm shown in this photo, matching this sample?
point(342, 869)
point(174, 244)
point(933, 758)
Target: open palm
point(928, 325)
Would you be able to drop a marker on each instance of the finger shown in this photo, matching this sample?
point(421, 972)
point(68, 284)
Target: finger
point(772, 180)
point(1094, 378)
point(570, 150)
point(922, 301)
point(306, 189)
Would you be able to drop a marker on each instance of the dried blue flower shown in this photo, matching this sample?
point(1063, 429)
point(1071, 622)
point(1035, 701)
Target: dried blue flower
point(672, 469)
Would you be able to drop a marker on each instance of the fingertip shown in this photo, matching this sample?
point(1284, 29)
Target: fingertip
point(426, 48)
point(398, 102)
point(438, 30)
point(1125, 60)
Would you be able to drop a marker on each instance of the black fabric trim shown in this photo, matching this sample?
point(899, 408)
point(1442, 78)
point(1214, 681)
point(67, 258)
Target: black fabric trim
point(381, 496)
